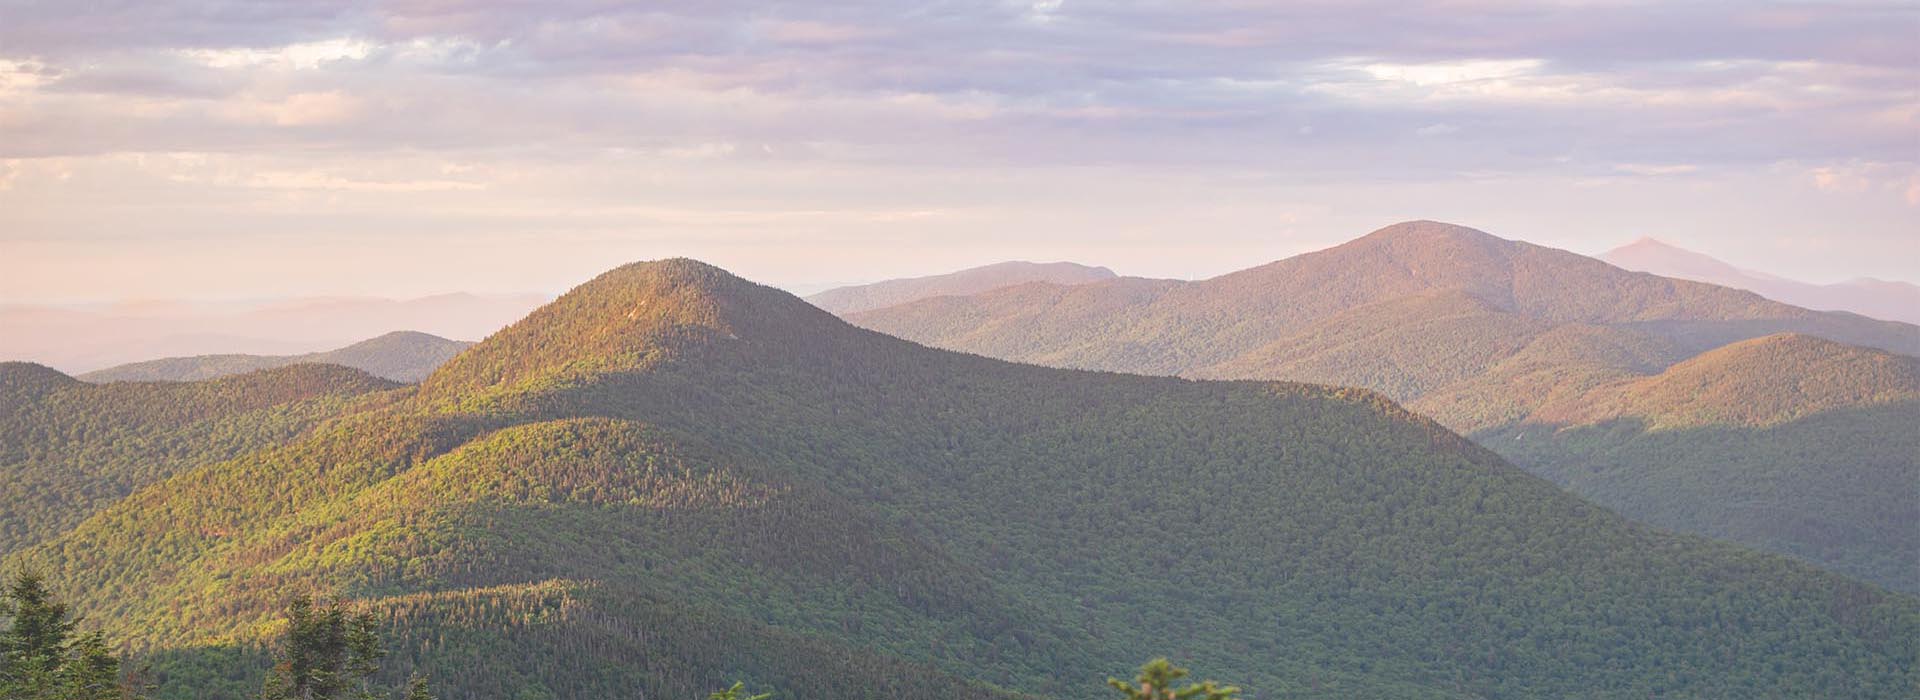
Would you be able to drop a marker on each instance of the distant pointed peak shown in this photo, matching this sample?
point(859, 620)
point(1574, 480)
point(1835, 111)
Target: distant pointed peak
point(1649, 243)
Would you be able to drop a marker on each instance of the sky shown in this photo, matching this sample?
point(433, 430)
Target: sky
point(255, 148)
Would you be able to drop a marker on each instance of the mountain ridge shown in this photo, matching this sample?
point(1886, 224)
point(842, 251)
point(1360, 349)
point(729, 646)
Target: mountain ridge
point(1881, 299)
point(403, 356)
point(680, 439)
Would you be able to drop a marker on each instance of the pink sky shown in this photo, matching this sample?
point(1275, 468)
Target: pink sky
point(175, 150)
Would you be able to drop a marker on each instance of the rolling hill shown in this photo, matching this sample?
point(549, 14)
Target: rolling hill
point(69, 448)
point(1791, 443)
point(402, 356)
point(671, 477)
point(1482, 334)
point(877, 295)
point(1893, 301)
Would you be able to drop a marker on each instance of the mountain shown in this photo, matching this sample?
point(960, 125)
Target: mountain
point(1480, 333)
point(402, 356)
point(969, 281)
point(1792, 443)
point(1182, 327)
point(1893, 301)
point(69, 448)
point(671, 477)
point(78, 339)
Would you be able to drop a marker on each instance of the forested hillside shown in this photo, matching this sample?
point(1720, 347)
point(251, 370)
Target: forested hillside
point(670, 478)
point(1483, 334)
point(402, 356)
point(1790, 443)
point(69, 448)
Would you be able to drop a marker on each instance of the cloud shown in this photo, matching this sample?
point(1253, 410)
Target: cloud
point(724, 99)
point(813, 32)
point(309, 180)
point(1656, 170)
point(1868, 176)
point(21, 77)
point(301, 56)
point(297, 110)
point(1734, 85)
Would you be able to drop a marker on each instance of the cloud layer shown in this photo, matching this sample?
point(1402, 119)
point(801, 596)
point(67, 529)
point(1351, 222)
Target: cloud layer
point(865, 131)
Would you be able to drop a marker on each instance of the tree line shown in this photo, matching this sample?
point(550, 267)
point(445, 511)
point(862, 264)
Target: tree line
point(329, 652)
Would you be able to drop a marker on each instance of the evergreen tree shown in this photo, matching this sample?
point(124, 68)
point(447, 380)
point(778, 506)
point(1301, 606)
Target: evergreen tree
point(92, 672)
point(34, 646)
point(417, 689)
point(40, 656)
point(329, 654)
point(1156, 679)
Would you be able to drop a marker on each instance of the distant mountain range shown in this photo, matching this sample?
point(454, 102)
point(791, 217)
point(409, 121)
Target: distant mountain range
point(1893, 301)
point(402, 356)
point(969, 281)
point(1482, 334)
point(671, 477)
point(87, 338)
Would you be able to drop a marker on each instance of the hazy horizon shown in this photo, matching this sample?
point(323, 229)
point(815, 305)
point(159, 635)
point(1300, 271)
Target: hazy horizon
point(907, 269)
point(166, 151)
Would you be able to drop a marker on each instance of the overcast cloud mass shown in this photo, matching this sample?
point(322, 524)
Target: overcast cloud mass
point(245, 148)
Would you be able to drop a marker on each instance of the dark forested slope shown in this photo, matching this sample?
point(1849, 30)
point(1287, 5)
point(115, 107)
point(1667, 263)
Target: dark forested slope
point(670, 477)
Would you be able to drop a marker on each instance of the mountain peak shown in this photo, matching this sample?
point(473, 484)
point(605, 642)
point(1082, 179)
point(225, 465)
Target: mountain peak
point(402, 336)
point(1430, 230)
point(19, 380)
point(685, 294)
point(1650, 243)
point(630, 317)
point(1648, 254)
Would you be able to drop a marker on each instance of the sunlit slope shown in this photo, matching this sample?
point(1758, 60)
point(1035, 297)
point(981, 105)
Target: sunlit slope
point(69, 448)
